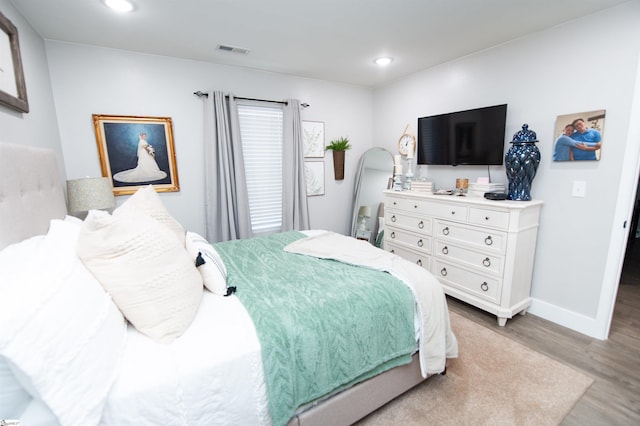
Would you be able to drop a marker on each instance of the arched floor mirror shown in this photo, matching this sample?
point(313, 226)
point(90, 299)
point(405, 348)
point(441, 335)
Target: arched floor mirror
point(374, 171)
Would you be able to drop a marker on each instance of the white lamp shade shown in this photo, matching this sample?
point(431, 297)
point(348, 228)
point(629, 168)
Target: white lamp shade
point(365, 211)
point(89, 194)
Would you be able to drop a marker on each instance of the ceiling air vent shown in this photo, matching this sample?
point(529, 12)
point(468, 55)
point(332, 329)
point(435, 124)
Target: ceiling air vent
point(232, 49)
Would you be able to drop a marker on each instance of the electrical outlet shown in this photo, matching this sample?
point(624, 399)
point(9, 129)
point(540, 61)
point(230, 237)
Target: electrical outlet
point(579, 188)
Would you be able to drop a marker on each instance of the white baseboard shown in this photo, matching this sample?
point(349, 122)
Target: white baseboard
point(577, 322)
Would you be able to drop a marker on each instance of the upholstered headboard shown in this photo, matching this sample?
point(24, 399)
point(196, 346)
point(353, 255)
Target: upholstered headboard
point(31, 192)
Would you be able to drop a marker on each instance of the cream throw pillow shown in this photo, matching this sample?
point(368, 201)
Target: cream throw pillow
point(145, 268)
point(147, 200)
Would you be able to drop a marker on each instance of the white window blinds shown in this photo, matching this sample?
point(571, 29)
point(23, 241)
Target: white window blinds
point(261, 131)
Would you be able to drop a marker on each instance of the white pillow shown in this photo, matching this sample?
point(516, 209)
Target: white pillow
point(148, 201)
point(61, 333)
point(145, 269)
point(213, 271)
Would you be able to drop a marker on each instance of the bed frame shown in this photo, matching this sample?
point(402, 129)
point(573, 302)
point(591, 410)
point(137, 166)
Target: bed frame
point(31, 193)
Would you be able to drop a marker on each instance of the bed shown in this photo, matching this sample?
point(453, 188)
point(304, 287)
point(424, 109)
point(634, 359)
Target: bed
point(73, 353)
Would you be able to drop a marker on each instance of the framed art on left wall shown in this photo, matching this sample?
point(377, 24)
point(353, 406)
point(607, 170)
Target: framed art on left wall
point(136, 151)
point(13, 89)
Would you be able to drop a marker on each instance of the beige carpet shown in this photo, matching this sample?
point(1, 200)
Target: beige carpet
point(495, 381)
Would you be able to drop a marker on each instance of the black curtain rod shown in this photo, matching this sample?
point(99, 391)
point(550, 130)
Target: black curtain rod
point(206, 95)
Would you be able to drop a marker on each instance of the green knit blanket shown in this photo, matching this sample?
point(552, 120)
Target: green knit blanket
point(322, 324)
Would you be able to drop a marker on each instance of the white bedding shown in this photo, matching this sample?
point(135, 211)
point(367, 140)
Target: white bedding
point(195, 380)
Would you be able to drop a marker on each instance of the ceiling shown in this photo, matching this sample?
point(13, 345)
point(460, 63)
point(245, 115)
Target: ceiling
point(334, 40)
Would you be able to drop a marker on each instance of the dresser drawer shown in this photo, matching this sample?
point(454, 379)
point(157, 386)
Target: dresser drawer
point(493, 218)
point(419, 259)
point(414, 241)
point(427, 208)
point(404, 204)
point(421, 225)
point(482, 286)
point(484, 239)
point(445, 211)
point(487, 262)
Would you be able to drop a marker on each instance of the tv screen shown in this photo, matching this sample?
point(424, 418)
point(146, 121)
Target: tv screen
point(471, 137)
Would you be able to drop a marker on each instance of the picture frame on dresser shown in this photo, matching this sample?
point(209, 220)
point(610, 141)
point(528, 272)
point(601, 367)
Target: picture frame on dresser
point(136, 151)
point(13, 88)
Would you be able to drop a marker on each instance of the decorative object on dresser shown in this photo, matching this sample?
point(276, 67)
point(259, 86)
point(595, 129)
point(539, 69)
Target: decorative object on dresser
point(421, 186)
point(462, 184)
point(521, 162)
point(407, 149)
point(482, 251)
point(478, 189)
point(397, 173)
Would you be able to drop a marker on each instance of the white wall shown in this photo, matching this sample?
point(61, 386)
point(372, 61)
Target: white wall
point(88, 80)
point(38, 127)
point(585, 65)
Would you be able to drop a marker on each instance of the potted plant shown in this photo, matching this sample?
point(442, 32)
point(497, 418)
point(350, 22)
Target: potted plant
point(338, 146)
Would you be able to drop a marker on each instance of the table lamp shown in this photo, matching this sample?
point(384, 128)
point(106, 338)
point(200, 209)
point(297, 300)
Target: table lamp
point(90, 194)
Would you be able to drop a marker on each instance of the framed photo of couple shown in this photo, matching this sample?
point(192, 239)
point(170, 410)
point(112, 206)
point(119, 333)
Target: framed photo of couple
point(579, 136)
point(136, 151)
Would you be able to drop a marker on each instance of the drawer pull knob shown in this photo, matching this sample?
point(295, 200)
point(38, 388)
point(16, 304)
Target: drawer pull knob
point(420, 243)
point(443, 272)
point(486, 262)
point(421, 224)
point(453, 212)
point(445, 250)
point(395, 204)
point(415, 206)
point(419, 262)
point(393, 234)
point(393, 218)
point(486, 218)
point(445, 231)
point(392, 251)
point(488, 241)
point(484, 286)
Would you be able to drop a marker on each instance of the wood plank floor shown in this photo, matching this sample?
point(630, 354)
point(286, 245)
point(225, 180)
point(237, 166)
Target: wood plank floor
point(614, 398)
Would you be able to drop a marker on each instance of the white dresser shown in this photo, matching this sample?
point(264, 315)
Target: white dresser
point(482, 251)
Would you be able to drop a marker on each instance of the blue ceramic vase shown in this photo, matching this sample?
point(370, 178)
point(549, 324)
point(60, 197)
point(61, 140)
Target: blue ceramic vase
point(521, 162)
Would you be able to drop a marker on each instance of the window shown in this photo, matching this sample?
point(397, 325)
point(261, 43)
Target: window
point(261, 129)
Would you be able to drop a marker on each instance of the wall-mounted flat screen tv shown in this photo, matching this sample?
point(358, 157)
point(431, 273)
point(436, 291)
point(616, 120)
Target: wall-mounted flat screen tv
point(471, 137)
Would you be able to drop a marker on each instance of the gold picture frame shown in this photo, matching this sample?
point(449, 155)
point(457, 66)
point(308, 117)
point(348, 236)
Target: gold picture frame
point(136, 151)
point(13, 89)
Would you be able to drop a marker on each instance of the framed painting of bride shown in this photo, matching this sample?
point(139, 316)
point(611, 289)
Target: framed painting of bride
point(136, 151)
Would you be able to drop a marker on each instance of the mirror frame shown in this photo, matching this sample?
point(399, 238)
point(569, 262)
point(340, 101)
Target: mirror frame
point(358, 186)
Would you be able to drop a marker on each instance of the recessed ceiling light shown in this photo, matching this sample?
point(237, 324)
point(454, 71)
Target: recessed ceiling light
point(120, 5)
point(383, 61)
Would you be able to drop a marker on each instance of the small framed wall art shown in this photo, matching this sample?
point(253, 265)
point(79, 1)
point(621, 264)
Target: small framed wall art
point(313, 139)
point(136, 151)
point(314, 175)
point(13, 89)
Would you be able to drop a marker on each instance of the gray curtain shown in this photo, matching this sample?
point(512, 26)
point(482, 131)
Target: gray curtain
point(226, 199)
point(295, 212)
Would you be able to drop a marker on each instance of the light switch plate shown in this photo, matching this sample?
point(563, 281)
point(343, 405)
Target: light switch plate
point(579, 188)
